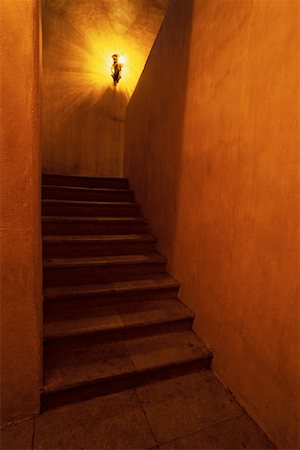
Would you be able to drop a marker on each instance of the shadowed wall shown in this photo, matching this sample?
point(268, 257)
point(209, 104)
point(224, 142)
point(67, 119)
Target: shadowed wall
point(214, 160)
point(21, 265)
point(83, 114)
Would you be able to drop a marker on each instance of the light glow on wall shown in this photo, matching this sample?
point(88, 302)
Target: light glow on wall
point(98, 61)
point(79, 39)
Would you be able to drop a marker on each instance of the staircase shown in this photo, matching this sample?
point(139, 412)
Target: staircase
point(112, 319)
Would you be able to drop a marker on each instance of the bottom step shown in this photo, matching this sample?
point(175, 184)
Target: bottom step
point(79, 373)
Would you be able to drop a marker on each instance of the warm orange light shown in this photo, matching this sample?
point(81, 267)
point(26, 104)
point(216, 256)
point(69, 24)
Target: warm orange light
point(84, 58)
point(98, 61)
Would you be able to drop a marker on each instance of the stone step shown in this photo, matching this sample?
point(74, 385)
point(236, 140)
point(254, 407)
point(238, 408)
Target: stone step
point(87, 193)
point(67, 180)
point(72, 225)
point(73, 374)
point(112, 319)
point(88, 296)
point(64, 271)
point(79, 208)
point(97, 245)
point(116, 322)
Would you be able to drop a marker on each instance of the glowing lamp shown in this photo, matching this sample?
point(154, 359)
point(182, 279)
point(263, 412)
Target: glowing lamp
point(116, 68)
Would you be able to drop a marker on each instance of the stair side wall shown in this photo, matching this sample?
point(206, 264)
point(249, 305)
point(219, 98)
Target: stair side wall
point(212, 152)
point(21, 262)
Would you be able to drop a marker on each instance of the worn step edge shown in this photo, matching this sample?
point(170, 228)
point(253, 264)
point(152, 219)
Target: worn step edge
point(110, 289)
point(57, 187)
point(82, 177)
point(117, 384)
point(186, 316)
point(74, 181)
point(83, 219)
point(51, 388)
point(103, 239)
point(104, 261)
point(121, 383)
point(122, 334)
point(206, 359)
point(83, 203)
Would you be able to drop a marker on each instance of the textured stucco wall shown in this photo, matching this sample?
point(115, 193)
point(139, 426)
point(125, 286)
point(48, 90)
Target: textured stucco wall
point(214, 161)
point(21, 295)
point(83, 114)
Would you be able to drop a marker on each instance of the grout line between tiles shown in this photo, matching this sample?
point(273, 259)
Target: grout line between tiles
point(204, 427)
point(33, 433)
point(146, 418)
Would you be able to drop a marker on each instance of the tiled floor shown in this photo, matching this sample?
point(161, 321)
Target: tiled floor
point(188, 412)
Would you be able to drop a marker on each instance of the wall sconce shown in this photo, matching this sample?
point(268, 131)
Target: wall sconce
point(116, 68)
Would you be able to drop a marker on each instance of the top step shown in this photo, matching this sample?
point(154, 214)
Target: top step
point(68, 180)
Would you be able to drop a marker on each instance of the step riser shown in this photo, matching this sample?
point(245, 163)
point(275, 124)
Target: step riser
point(54, 307)
point(89, 275)
point(126, 382)
point(106, 183)
point(56, 209)
point(56, 344)
point(93, 228)
point(126, 196)
point(96, 249)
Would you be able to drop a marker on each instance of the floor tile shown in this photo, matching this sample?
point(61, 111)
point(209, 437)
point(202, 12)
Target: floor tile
point(111, 422)
point(186, 404)
point(17, 436)
point(186, 385)
point(234, 434)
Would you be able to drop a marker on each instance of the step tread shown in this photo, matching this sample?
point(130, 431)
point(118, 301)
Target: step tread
point(70, 368)
point(90, 203)
point(88, 219)
point(116, 317)
point(83, 177)
point(118, 287)
point(58, 187)
point(104, 238)
point(114, 260)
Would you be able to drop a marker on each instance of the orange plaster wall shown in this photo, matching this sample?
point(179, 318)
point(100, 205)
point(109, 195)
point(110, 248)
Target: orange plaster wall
point(21, 295)
point(214, 161)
